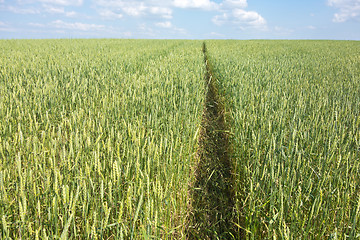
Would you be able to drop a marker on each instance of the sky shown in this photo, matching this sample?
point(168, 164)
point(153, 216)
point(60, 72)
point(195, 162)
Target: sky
point(181, 19)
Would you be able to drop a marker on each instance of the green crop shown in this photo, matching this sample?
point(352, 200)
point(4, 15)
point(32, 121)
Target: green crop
point(103, 139)
point(97, 137)
point(296, 130)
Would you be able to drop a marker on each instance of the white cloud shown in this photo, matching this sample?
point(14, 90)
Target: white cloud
point(53, 2)
point(144, 29)
point(166, 24)
point(241, 18)
point(249, 17)
point(18, 10)
point(58, 10)
point(135, 10)
point(78, 28)
point(220, 19)
point(106, 13)
point(2, 23)
point(42, 9)
point(59, 24)
point(311, 27)
point(162, 11)
point(63, 2)
point(170, 26)
point(38, 25)
point(54, 10)
point(346, 14)
point(235, 3)
point(138, 8)
point(233, 12)
point(71, 14)
point(348, 9)
point(342, 3)
point(202, 4)
point(228, 11)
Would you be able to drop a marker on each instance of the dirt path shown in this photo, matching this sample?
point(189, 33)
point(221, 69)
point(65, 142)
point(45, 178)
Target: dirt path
point(212, 196)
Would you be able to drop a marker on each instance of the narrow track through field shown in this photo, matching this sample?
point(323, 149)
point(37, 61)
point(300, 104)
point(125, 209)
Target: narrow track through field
point(212, 196)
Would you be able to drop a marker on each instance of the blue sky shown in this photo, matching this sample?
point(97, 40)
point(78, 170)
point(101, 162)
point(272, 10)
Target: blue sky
point(181, 19)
